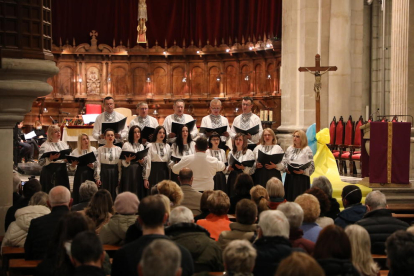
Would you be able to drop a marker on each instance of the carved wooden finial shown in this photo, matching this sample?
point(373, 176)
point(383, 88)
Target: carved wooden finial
point(128, 43)
point(60, 41)
point(199, 43)
point(184, 43)
point(254, 39)
point(67, 42)
point(243, 39)
point(208, 42)
point(235, 40)
point(192, 42)
point(230, 41)
point(113, 43)
point(175, 43)
point(74, 44)
point(147, 45)
point(260, 38)
point(120, 42)
point(264, 37)
point(156, 42)
point(165, 44)
point(215, 42)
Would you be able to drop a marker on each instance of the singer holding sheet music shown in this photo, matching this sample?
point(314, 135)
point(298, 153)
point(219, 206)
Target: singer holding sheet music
point(54, 171)
point(108, 116)
point(144, 120)
point(267, 146)
point(107, 174)
point(215, 120)
point(220, 155)
point(83, 172)
point(183, 146)
point(178, 117)
point(158, 159)
point(297, 181)
point(240, 153)
point(132, 170)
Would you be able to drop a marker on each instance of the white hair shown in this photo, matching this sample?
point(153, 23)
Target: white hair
point(239, 256)
point(163, 252)
point(376, 200)
point(324, 184)
point(274, 223)
point(181, 214)
point(293, 213)
point(59, 195)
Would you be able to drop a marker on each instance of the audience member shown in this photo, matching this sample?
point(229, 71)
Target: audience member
point(152, 216)
point(260, 196)
point(17, 232)
point(205, 210)
point(276, 192)
point(299, 263)
point(361, 250)
point(126, 208)
point(86, 191)
point(272, 244)
point(244, 227)
point(242, 186)
point(42, 228)
point(400, 252)
point(354, 210)
point(378, 221)
point(158, 252)
point(324, 206)
point(171, 190)
point(192, 197)
point(411, 229)
point(29, 189)
point(294, 214)
point(239, 258)
point(333, 252)
point(87, 254)
point(217, 221)
point(17, 186)
point(311, 210)
point(325, 185)
point(205, 252)
point(99, 209)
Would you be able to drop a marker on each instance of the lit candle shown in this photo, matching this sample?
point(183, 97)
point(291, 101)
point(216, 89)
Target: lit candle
point(266, 113)
point(261, 115)
point(270, 115)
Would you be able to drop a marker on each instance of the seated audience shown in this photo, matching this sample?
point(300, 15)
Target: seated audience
point(29, 189)
point(217, 221)
point(333, 252)
point(158, 252)
point(126, 208)
point(17, 186)
point(205, 251)
point(244, 228)
point(400, 252)
point(325, 185)
point(239, 258)
point(324, 206)
point(152, 217)
point(411, 229)
point(311, 210)
point(242, 186)
point(17, 231)
point(191, 196)
point(87, 254)
point(276, 192)
point(205, 210)
point(378, 221)
point(272, 244)
point(42, 228)
point(294, 214)
point(260, 196)
point(86, 191)
point(299, 263)
point(99, 209)
point(171, 190)
point(354, 210)
point(361, 250)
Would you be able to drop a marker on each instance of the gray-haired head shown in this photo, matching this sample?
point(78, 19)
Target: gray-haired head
point(293, 213)
point(324, 184)
point(86, 190)
point(39, 198)
point(274, 223)
point(239, 256)
point(376, 200)
point(181, 214)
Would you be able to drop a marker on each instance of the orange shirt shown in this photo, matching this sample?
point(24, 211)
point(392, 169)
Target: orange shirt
point(215, 225)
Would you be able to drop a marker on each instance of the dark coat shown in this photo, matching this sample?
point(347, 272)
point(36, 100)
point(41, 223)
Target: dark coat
point(128, 257)
point(380, 225)
point(337, 267)
point(334, 210)
point(351, 215)
point(233, 202)
point(297, 241)
point(80, 206)
point(206, 253)
point(270, 251)
point(87, 270)
point(41, 231)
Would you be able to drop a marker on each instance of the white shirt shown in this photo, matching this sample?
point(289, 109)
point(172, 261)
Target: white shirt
point(270, 150)
point(206, 122)
point(152, 122)
point(157, 152)
point(136, 147)
point(219, 154)
point(204, 168)
point(97, 127)
point(254, 121)
point(108, 156)
point(168, 125)
point(175, 151)
point(76, 153)
point(48, 147)
point(239, 156)
point(299, 156)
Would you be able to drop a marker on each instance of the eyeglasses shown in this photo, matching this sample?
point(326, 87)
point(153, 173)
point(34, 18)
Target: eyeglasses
point(295, 136)
point(215, 140)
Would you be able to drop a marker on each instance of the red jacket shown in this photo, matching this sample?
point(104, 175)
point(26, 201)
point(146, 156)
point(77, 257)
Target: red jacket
point(215, 224)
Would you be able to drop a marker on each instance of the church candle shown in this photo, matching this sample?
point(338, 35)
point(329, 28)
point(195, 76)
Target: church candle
point(261, 115)
point(270, 115)
point(266, 112)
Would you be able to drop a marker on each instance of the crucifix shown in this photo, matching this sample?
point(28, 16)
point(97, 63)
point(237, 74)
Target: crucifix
point(318, 71)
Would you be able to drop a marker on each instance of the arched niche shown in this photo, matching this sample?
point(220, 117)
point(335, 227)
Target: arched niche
point(231, 80)
point(66, 84)
point(160, 81)
point(246, 79)
point(259, 79)
point(214, 85)
point(178, 73)
point(197, 76)
point(270, 82)
point(139, 75)
point(119, 78)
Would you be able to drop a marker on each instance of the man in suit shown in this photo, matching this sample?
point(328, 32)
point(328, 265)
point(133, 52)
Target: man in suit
point(204, 167)
point(42, 229)
point(192, 197)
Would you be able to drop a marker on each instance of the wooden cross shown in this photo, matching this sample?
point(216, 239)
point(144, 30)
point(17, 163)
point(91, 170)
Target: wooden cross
point(316, 71)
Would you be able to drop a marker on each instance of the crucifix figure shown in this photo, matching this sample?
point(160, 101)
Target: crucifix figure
point(316, 71)
point(142, 18)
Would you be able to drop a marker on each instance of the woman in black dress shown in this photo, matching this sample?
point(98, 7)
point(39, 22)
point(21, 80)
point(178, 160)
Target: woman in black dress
point(215, 151)
point(183, 146)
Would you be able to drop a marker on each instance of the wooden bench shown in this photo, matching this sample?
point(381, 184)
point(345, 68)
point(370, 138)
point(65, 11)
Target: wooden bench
point(408, 218)
point(19, 267)
point(384, 272)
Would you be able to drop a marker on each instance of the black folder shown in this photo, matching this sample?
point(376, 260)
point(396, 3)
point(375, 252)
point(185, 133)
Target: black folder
point(146, 132)
point(116, 126)
point(63, 154)
point(139, 155)
point(83, 160)
point(247, 163)
point(219, 130)
point(251, 146)
point(175, 127)
point(297, 167)
point(264, 158)
point(175, 159)
point(254, 130)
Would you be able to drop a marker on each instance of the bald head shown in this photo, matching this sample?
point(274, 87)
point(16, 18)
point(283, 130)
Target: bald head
point(186, 176)
point(59, 196)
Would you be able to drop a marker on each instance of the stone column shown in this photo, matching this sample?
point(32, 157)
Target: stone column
point(399, 57)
